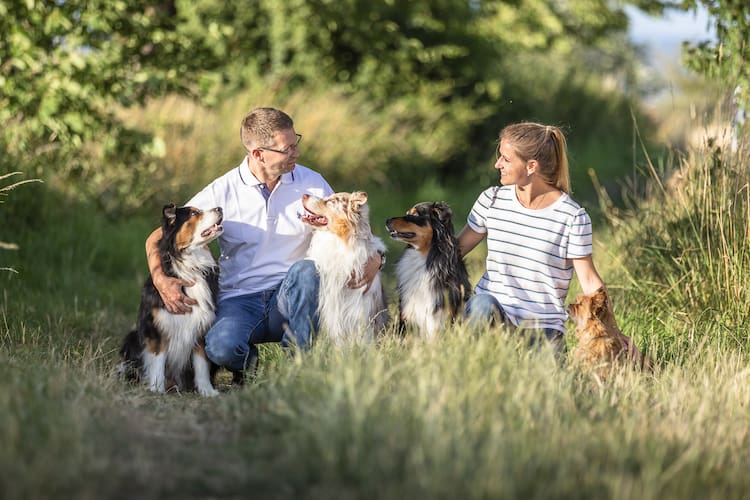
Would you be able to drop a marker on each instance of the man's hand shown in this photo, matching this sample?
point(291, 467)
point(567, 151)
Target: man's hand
point(170, 289)
point(368, 273)
point(171, 293)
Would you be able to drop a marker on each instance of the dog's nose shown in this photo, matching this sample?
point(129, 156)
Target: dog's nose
point(388, 222)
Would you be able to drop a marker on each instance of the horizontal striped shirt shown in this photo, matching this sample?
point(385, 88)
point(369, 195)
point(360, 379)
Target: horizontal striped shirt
point(529, 254)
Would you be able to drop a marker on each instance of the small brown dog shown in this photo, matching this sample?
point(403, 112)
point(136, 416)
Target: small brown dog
point(601, 344)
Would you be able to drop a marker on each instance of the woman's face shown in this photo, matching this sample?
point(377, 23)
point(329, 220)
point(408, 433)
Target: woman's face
point(512, 168)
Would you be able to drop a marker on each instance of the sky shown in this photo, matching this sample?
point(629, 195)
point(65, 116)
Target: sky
point(663, 35)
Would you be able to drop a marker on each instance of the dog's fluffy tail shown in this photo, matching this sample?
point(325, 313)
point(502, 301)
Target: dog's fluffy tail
point(130, 352)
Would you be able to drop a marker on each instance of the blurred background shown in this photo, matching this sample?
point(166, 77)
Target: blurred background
point(119, 108)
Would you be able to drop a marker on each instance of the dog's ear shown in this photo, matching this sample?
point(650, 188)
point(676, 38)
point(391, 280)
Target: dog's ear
point(357, 199)
point(442, 211)
point(600, 301)
point(170, 213)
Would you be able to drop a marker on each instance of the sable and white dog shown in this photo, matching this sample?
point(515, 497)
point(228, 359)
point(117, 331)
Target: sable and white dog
point(601, 345)
point(167, 350)
point(433, 284)
point(342, 243)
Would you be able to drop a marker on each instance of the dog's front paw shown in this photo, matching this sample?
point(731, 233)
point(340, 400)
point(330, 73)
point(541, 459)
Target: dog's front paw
point(208, 391)
point(157, 387)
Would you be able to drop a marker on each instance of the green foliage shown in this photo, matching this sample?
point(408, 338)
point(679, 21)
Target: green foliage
point(66, 68)
point(728, 58)
point(445, 74)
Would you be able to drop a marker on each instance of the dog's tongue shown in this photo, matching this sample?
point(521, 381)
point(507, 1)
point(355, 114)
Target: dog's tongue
point(211, 230)
point(315, 220)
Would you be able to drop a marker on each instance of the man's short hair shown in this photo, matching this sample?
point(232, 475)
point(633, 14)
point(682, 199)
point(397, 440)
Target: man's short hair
point(261, 124)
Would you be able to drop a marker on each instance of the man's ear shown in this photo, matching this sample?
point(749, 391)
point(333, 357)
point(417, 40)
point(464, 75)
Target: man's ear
point(254, 154)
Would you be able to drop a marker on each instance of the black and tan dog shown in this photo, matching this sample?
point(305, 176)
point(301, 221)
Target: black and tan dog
point(166, 350)
point(433, 284)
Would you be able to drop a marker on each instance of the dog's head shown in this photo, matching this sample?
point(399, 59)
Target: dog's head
point(344, 214)
point(592, 311)
point(421, 224)
point(188, 227)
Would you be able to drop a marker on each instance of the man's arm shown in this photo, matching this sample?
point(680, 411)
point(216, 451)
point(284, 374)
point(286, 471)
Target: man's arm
point(372, 266)
point(170, 289)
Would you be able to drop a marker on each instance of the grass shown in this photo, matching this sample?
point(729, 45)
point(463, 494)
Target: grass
point(474, 414)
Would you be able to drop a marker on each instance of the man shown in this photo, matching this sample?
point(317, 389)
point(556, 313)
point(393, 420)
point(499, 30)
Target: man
point(267, 292)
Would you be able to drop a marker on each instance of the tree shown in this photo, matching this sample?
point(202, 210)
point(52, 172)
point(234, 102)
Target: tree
point(66, 67)
point(728, 58)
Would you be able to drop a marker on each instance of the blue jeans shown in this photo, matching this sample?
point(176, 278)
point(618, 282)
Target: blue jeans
point(286, 313)
point(483, 308)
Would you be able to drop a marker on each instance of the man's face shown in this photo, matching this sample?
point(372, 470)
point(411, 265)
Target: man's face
point(280, 156)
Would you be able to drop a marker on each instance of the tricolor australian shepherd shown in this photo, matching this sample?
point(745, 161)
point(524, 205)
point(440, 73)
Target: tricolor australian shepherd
point(433, 283)
point(167, 350)
point(342, 243)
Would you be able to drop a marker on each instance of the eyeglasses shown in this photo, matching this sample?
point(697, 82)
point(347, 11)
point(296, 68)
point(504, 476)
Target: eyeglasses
point(288, 150)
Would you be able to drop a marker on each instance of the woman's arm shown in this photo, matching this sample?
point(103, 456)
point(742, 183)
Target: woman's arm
point(468, 239)
point(587, 275)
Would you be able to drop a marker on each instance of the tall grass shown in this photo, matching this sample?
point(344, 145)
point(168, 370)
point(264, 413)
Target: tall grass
point(685, 252)
point(474, 414)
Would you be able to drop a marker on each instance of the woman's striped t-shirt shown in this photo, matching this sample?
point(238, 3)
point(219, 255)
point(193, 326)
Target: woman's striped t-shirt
point(529, 254)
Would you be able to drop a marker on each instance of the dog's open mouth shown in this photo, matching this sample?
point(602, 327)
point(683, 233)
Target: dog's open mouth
point(401, 236)
point(314, 219)
point(211, 231)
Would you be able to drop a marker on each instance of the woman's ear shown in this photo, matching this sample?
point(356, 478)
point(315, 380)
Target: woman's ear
point(531, 167)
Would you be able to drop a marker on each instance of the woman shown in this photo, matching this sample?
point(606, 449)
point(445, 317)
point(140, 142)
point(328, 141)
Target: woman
point(537, 235)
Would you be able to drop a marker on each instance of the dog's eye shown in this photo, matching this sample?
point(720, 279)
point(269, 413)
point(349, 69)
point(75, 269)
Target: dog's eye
point(194, 213)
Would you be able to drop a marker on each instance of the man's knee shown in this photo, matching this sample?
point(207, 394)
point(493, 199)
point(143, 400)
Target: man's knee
point(299, 290)
point(225, 351)
point(303, 273)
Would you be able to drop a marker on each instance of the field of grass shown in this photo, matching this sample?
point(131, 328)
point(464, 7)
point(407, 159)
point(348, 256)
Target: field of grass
point(475, 414)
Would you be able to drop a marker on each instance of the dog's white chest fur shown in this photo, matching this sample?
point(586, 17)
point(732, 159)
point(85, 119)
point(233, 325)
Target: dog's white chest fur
point(417, 292)
point(184, 330)
point(347, 314)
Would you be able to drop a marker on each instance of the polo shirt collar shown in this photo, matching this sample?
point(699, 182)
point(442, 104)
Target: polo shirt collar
point(249, 179)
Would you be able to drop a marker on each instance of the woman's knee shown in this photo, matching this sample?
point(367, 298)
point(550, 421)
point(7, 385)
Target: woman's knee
point(483, 307)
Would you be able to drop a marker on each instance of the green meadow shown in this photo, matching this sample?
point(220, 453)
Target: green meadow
point(475, 414)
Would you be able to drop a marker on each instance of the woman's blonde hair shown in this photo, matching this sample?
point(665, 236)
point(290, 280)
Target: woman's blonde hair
point(544, 143)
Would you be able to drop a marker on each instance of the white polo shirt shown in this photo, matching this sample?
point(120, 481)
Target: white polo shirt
point(261, 240)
